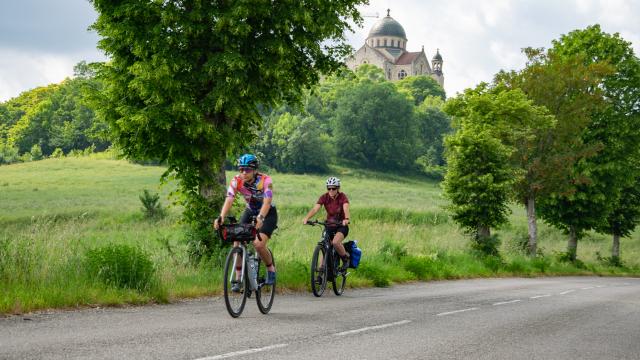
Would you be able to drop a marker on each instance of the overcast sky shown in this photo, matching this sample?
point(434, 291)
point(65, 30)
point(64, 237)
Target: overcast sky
point(41, 40)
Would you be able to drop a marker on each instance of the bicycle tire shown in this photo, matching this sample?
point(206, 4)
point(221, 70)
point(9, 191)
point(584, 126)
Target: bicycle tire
point(318, 271)
point(339, 279)
point(234, 301)
point(265, 293)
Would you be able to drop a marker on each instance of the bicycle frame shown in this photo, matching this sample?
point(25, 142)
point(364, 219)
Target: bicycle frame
point(253, 283)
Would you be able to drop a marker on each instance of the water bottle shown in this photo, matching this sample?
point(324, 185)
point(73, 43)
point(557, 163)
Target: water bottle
point(253, 272)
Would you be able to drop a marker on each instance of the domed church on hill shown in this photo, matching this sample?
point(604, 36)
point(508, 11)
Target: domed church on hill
point(386, 48)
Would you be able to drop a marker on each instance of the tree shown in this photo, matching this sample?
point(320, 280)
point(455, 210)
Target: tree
point(477, 181)
point(432, 124)
point(523, 128)
point(420, 87)
point(616, 126)
point(375, 126)
point(186, 79)
point(568, 89)
point(624, 218)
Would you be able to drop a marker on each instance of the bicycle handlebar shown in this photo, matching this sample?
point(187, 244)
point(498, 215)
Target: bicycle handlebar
point(325, 223)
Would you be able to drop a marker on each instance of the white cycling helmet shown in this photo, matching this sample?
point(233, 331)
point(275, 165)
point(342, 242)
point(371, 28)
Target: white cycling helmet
point(333, 181)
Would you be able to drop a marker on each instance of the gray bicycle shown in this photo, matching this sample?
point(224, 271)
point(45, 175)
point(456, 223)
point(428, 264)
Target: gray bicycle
point(244, 272)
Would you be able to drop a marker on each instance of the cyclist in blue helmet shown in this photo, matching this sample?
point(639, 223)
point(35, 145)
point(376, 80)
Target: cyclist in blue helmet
point(256, 188)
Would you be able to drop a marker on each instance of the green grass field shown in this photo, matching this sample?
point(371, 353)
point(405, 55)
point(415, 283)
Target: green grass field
point(53, 212)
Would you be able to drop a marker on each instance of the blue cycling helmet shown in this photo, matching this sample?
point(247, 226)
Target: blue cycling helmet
point(248, 160)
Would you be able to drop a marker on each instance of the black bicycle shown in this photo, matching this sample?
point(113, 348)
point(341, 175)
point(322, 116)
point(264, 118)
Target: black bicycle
point(325, 264)
point(244, 272)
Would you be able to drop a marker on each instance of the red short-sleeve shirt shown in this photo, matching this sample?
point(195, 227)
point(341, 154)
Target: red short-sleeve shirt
point(334, 208)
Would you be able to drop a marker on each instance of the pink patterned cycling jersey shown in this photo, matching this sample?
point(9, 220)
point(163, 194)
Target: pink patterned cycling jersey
point(254, 193)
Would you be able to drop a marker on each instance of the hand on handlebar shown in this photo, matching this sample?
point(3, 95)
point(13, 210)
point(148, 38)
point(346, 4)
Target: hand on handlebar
point(217, 222)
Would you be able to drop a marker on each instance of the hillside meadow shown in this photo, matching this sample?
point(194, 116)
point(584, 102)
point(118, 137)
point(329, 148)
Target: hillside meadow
point(55, 212)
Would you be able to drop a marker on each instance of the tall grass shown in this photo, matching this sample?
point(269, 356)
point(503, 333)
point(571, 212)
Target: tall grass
point(54, 212)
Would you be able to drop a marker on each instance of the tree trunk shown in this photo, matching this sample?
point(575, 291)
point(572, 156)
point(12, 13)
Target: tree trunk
point(615, 248)
point(483, 232)
point(533, 226)
point(572, 246)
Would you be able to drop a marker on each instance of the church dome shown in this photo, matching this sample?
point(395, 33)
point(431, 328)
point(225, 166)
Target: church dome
point(387, 26)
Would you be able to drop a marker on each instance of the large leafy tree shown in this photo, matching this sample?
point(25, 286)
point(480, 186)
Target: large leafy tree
point(613, 170)
point(477, 182)
point(523, 128)
point(567, 87)
point(186, 78)
point(375, 127)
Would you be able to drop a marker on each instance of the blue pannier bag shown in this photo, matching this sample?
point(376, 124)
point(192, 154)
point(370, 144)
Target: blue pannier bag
point(355, 252)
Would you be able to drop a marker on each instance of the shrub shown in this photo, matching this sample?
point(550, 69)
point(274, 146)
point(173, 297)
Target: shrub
point(8, 154)
point(121, 266)
point(152, 208)
point(36, 152)
point(487, 245)
point(57, 153)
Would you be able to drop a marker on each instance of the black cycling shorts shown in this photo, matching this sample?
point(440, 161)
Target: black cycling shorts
point(342, 229)
point(269, 224)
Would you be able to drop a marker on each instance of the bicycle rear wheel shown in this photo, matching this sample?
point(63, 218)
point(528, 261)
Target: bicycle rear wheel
point(318, 271)
point(339, 279)
point(235, 300)
point(265, 293)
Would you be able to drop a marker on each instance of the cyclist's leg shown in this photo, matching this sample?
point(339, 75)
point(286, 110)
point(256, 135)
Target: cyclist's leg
point(261, 242)
point(338, 238)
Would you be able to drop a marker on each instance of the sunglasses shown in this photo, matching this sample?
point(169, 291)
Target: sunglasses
point(245, 170)
point(332, 188)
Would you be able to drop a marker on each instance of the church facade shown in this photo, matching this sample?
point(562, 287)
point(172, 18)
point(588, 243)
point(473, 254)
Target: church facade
point(386, 48)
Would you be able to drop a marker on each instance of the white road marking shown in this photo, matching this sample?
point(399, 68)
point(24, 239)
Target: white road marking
point(456, 311)
point(600, 286)
point(588, 288)
point(243, 352)
point(402, 322)
point(566, 292)
point(540, 296)
point(506, 302)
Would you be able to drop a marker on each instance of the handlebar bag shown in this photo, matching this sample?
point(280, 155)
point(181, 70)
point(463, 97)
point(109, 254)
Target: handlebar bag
point(239, 232)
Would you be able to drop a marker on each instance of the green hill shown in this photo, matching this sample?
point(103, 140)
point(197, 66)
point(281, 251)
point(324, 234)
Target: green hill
point(56, 211)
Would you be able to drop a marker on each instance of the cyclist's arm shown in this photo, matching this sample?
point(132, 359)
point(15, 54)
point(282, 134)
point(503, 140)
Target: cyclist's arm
point(228, 203)
point(347, 215)
point(312, 212)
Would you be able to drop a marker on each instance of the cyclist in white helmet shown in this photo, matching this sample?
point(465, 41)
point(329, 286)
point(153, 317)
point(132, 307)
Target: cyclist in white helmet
point(336, 204)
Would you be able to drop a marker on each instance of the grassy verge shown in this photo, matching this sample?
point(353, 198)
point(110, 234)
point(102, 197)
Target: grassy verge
point(53, 213)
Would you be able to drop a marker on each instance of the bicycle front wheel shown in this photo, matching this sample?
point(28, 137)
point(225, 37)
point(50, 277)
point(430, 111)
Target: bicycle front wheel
point(339, 279)
point(265, 293)
point(318, 271)
point(236, 287)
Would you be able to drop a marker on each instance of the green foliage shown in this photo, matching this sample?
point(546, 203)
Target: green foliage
point(291, 143)
point(8, 154)
point(121, 266)
point(151, 205)
point(36, 152)
point(374, 126)
point(478, 179)
point(186, 80)
point(55, 116)
point(487, 245)
point(420, 87)
point(57, 153)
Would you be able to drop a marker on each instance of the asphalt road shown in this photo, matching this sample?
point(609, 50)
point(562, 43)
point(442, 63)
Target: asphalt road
point(541, 318)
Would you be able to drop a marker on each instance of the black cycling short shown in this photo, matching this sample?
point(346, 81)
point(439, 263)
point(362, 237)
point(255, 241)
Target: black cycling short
point(344, 229)
point(269, 224)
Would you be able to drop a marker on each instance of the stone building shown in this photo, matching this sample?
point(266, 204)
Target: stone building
point(386, 48)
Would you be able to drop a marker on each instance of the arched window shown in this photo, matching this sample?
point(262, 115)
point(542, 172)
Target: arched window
point(377, 42)
point(389, 74)
point(402, 74)
point(385, 42)
point(364, 61)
